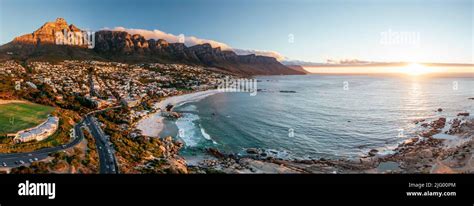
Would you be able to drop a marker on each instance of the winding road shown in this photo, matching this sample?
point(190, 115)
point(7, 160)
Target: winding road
point(11, 159)
point(107, 161)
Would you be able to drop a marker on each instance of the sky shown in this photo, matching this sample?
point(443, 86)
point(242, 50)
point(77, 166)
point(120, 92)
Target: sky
point(312, 31)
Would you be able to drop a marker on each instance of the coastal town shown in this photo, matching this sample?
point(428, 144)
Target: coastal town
point(308, 101)
point(126, 91)
point(101, 109)
point(111, 82)
point(104, 84)
point(122, 96)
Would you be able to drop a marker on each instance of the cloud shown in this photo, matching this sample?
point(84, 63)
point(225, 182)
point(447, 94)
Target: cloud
point(301, 63)
point(188, 40)
point(347, 61)
point(273, 54)
point(332, 62)
point(192, 40)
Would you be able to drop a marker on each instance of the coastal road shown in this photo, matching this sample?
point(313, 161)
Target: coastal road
point(13, 159)
point(107, 162)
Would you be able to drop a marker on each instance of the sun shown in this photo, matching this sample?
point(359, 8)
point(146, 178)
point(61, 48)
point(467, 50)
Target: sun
point(415, 69)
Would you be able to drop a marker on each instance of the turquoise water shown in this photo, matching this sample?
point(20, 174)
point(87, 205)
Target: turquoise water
point(340, 116)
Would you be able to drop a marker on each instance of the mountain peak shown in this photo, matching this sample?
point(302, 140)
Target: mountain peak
point(124, 47)
point(46, 33)
point(60, 20)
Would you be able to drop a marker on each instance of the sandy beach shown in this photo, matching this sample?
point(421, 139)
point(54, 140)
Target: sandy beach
point(152, 125)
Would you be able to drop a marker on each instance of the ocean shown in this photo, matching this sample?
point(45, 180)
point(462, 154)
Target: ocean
point(323, 116)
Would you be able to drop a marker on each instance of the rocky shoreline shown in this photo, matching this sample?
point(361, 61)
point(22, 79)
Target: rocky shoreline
point(427, 152)
point(431, 151)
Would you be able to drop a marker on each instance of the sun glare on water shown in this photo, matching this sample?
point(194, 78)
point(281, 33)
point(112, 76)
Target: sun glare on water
point(415, 69)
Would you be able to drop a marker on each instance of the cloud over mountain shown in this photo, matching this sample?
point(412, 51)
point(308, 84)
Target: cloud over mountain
point(274, 54)
point(192, 40)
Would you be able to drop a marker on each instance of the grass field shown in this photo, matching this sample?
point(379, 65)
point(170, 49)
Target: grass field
point(18, 116)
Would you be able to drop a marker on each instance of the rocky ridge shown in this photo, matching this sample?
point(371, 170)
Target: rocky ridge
point(134, 48)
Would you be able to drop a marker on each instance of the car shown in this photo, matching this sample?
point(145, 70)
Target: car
point(22, 162)
point(100, 147)
point(35, 159)
point(17, 162)
point(63, 146)
point(30, 160)
point(4, 164)
point(30, 155)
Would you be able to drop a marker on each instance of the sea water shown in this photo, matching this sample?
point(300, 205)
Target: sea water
point(340, 116)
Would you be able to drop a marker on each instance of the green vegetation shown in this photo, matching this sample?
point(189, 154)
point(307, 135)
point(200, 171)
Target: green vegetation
point(18, 116)
point(69, 161)
point(91, 159)
point(133, 153)
point(67, 120)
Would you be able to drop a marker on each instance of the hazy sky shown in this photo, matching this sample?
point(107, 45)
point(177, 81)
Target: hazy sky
point(423, 30)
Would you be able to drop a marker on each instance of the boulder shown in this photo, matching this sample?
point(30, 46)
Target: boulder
point(215, 153)
point(177, 166)
point(252, 151)
point(426, 153)
point(367, 161)
point(430, 133)
point(418, 121)
point(373, 152)
point(439, 123)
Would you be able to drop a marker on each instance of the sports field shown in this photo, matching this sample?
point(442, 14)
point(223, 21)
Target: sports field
point(21, 115)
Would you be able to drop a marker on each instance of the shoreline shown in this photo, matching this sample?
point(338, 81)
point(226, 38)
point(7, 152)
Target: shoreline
point(419, 155)
point(152, 125)
point(426, 152)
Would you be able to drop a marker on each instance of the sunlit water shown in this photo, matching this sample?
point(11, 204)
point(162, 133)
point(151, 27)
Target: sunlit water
point(328, 116)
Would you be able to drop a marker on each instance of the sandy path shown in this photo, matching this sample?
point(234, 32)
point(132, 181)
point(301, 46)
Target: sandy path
point(3, 101)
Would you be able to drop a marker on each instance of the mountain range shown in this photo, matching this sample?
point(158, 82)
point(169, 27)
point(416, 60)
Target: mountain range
point(124, 47)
